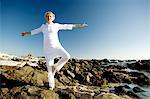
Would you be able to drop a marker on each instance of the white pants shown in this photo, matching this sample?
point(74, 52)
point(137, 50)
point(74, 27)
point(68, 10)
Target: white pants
point(50, 55)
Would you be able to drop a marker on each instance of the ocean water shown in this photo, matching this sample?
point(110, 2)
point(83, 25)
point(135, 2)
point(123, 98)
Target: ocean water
point(146, 93)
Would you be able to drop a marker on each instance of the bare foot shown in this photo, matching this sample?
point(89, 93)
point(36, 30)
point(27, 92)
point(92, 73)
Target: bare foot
point(51, 88)
point(53, 70)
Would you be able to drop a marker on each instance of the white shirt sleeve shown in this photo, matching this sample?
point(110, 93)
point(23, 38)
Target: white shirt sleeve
point(36, 31)
point(65, 26)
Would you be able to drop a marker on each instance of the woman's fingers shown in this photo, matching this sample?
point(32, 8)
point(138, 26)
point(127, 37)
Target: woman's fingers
point(23, 33)
point(85, 25)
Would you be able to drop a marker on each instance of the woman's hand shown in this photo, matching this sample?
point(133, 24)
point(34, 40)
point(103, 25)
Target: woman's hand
point(25, 33)
point(84, 25)
point(80, 25)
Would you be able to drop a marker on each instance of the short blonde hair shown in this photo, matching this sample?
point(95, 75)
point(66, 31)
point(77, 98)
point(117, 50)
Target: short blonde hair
point(49, 12)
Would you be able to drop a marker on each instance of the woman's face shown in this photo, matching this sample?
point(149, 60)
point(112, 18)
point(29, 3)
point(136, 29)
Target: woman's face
point(49, 17)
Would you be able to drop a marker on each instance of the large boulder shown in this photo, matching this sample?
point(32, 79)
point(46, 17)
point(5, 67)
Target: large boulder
point(28, 75)
point(28, 92)
point(22, 74)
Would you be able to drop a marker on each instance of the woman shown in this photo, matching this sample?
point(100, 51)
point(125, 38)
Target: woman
point(52, 47)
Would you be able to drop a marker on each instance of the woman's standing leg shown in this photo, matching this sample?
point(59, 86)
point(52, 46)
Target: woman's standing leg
point(49, 64)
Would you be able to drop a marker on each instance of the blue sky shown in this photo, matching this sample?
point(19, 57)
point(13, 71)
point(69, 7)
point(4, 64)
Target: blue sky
point(118, 29)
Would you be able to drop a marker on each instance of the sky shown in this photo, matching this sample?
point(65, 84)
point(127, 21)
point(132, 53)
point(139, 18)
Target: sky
point(117, 29)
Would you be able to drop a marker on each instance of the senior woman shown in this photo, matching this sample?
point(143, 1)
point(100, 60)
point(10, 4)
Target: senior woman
point(52, 47)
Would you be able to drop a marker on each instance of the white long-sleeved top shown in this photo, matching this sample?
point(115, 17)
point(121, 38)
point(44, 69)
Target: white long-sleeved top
point(50, 34)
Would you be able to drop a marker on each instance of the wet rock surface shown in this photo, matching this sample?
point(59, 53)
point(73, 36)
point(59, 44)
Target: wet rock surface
point(78, 79)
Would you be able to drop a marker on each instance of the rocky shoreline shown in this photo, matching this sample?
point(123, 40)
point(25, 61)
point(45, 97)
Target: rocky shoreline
point(25, 77)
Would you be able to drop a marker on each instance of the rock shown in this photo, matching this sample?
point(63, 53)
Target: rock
point(127, 80)
point(64, 94)
point(77, 64)
point(132, 94)
point(57, 83)
point(64, 80)
point(89, 67)
point(137, 89)
point(16, 59)
point(6, 68)
point(96, 63)
point(83, 96)
point(107, 96)
point(78, 91)
point(120, 61)
point(39, 78)
point(84, 92)
point(4, 90)
point(135, 74)
point(101, 83)
point(113, 60)
point(105, 90)
point(125, 97)
point(32, 90)
point(15, 90)
point(11, 63)
point(94, 71)
point(39, 93)
point(140, 65)
point(28, 75)
point(110, 76)
point(68, 66)
point(105, 61)
point(22, 74)
point(76, 69)
point(69, 73)
point(79, 76)
point(5, 56)
point(4, 93)
point(88, 77)
point(120, 90)
point(86, 62)
point(98, 75)
point(121, 71)
point(32, 64)
point(78, 79)
point(18, 93)
point(126, 86)
point(48, 94)
point(41, 65)
point(141, 80)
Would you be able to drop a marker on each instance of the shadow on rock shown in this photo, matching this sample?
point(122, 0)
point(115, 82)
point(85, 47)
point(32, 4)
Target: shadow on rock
point(8, 83)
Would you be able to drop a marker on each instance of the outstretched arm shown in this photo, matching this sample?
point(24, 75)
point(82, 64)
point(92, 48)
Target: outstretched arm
point(32, 32)
point(79, 25)
point(70, 26)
